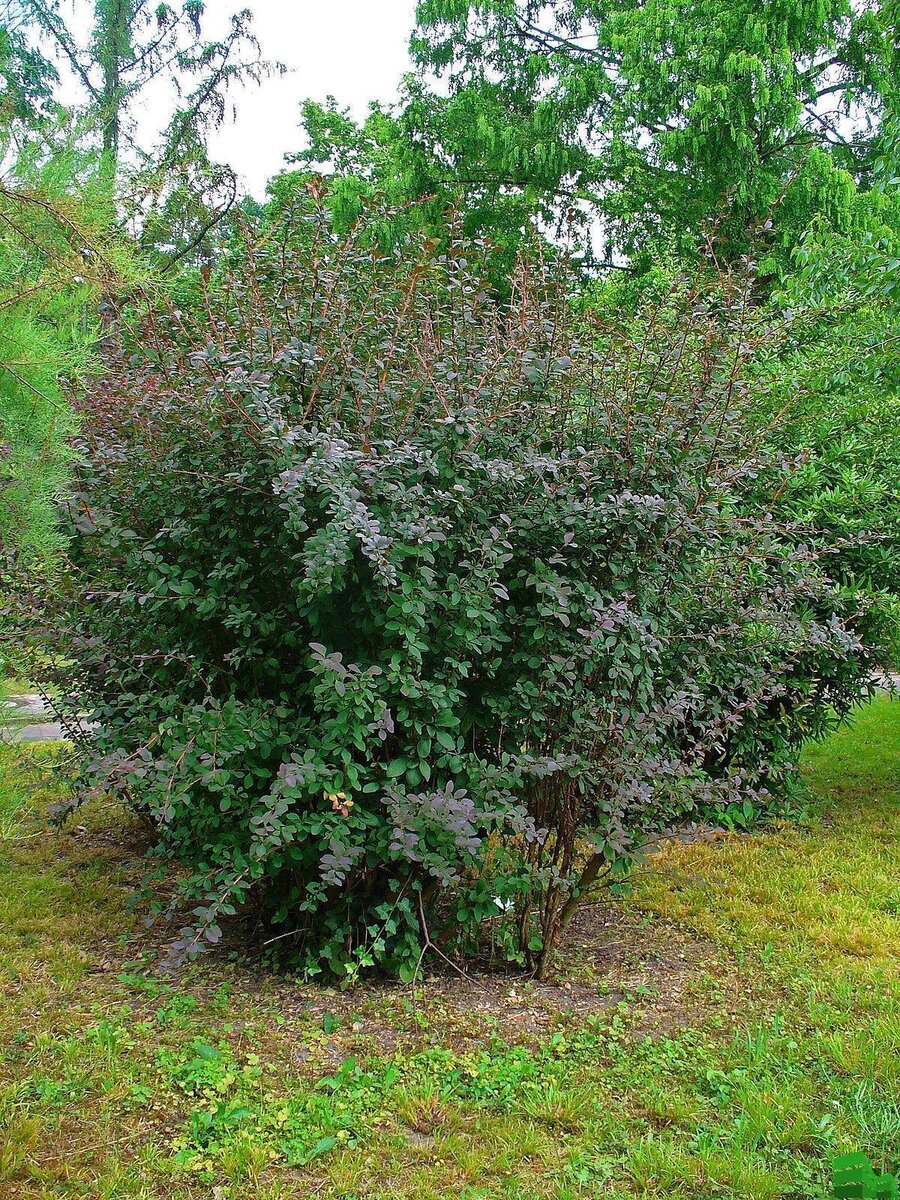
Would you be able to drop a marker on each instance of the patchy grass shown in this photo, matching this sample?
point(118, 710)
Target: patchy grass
point(723, 1032)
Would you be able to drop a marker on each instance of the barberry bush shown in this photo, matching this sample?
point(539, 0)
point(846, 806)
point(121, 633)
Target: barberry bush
point(406, 615)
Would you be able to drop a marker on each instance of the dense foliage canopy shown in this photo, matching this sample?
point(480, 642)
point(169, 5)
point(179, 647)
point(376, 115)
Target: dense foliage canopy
point(666, 118)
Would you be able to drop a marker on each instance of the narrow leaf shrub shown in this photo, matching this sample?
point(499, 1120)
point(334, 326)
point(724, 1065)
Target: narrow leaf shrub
point(405, 615)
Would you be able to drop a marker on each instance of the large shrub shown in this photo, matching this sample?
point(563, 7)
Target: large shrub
point(406, 616)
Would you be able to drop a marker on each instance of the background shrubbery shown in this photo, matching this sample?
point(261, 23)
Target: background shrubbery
point(406, 615)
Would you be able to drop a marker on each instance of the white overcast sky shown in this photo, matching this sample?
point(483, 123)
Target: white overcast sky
point(355, 50)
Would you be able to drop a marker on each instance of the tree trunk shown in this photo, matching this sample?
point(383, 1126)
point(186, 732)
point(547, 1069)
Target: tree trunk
point(112, 31)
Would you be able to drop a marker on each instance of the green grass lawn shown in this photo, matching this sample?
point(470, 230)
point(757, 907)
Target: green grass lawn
point(724, 1031)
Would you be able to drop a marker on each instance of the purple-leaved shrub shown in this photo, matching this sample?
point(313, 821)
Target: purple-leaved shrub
point(407, 615)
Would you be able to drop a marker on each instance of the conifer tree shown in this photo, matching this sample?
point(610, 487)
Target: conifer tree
point(166, 185)
point(664, 120)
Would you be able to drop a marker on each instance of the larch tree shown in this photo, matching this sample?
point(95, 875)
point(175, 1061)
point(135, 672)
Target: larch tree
point(167, 186)
point(57, 257)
